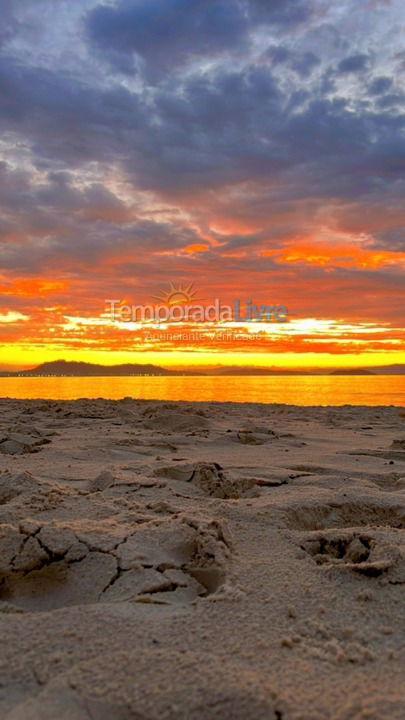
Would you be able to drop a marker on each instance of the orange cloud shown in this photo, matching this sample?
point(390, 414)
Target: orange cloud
point(196, 248)
point(341, 255)
point(33, 287)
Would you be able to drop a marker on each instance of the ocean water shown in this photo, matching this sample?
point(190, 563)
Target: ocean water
point(288, 389)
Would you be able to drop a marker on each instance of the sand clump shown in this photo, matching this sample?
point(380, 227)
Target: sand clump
point(211, 478)
point(168, 420)
point(13, 485)
point(101, 482)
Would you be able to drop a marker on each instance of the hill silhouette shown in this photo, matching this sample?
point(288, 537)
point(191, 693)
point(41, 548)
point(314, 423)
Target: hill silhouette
point(84, 369)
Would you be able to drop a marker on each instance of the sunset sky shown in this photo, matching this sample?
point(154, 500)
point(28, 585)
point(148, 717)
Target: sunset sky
point(254, 148)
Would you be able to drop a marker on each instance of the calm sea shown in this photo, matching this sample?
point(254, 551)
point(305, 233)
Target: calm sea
point(289, 389)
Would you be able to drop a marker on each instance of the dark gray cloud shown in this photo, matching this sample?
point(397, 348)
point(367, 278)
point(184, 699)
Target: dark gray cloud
point(392, 101)
point(380, 85)
point(353, 64)
point(214, 128)
point(63, 116)
point(164, 33)
point(303, 63)
point(9, 24)
point(281, 13)
point(392, 239)
point(167, 33)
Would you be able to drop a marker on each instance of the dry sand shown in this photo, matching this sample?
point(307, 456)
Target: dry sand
point(179, 561)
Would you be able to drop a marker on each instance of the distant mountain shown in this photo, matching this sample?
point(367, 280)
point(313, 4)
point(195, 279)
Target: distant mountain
point(257, 371)
point(83, 369)
point(377, 370)
point(398, 369)
point(350, 371)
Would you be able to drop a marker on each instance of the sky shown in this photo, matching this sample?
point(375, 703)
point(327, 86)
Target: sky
point(254, 148)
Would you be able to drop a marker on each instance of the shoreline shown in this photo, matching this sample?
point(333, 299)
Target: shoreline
point(204, 403)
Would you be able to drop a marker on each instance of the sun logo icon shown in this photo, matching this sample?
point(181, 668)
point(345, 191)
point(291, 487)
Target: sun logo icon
point(177, 295)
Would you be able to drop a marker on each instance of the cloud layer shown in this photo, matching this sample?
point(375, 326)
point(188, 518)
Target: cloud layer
point(245, 146)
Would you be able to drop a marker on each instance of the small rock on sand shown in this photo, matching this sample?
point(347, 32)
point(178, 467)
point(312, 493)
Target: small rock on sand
point(104, 480)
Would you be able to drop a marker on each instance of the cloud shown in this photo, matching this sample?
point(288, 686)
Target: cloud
point(164, 33)
point(63, 116)
point(12, 317)
point(214, 128)
point(226, 128)
point(167, 33)
point(303, 63)
point(380, 85)
point(282, 13)
point(9, 23)
point(353, 64)
point(393, 239)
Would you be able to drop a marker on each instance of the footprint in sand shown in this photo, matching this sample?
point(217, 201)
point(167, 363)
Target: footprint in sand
point(210, 477)
point(164, 561)
point(370, 554)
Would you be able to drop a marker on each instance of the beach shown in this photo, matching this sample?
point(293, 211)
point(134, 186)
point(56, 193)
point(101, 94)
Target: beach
point(195, 561)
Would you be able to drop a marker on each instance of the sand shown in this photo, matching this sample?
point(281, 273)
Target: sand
point(194, 561)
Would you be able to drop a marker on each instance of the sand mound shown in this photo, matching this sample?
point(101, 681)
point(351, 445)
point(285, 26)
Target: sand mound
point(174, 421)
point(141, 686)
point(255, 436)
point(12, 486)
point(398, 444)
point(355, 513)
point(16, 443)
point(376, 708)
